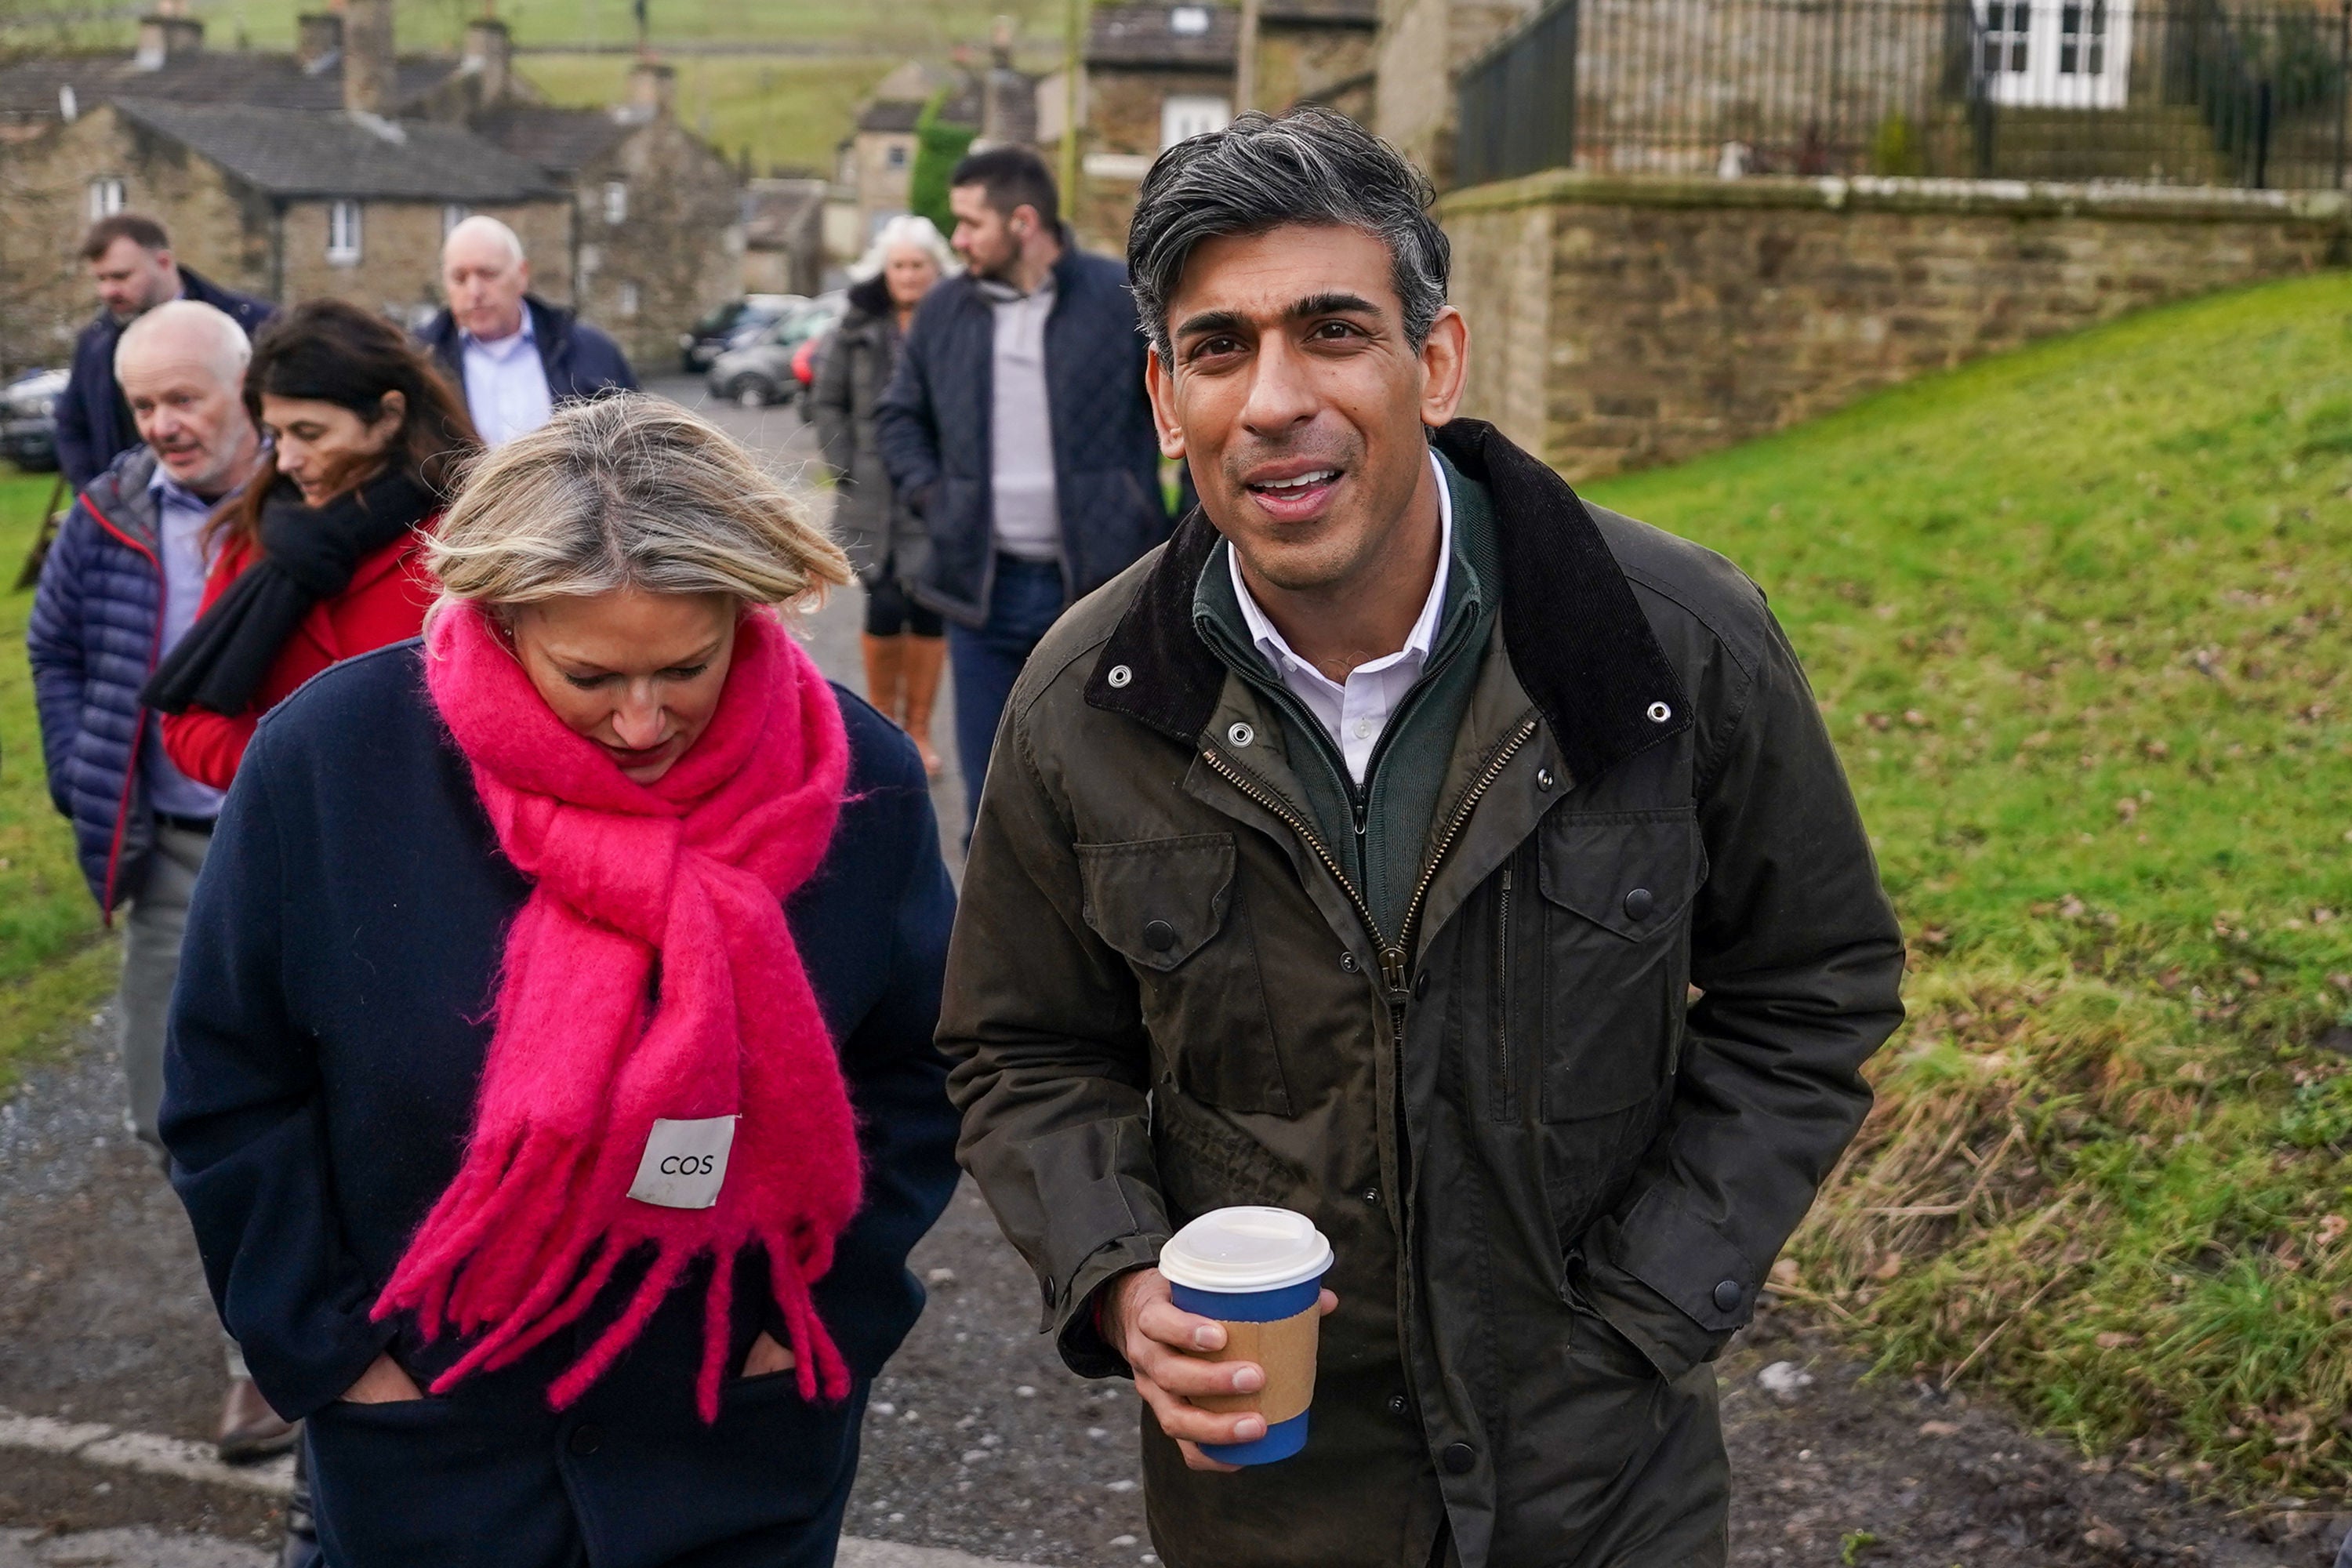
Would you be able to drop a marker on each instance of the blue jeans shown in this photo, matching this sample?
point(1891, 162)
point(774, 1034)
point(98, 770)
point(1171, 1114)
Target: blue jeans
point(1022, 603)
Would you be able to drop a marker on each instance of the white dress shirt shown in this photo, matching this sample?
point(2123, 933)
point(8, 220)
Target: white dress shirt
point(1355, 714)
point(506, 386)
point(179, 515)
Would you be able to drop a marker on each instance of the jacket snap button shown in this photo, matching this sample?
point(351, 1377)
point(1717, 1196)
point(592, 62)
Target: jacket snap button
point(1460, 1459)
point(1421, 985)
point(1660, 712)
point(1241, 734)
point(1371, 1194)
point(1396, 1405)
point(586, 1440)
point(1543, 779)
point(1638, 904)
point(1726, 1295)
point(1119, 676)
point(1158, 936)
point(1347, 962)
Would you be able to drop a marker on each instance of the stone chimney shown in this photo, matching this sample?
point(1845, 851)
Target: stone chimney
point(316, 37)
point(1000, 43)
point(653, 90)
point(370, 70)
point(490, 53)
point(167, 34)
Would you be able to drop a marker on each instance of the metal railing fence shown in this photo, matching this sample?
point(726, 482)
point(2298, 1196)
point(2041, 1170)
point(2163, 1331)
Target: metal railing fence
point(2196, 92)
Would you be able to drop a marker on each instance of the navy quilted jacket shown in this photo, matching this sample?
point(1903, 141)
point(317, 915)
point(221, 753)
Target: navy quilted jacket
point(932, 428)
point(97, 617)
point(93, 428)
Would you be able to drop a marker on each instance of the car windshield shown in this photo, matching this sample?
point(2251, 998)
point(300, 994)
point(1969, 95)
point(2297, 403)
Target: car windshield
point(719, 317)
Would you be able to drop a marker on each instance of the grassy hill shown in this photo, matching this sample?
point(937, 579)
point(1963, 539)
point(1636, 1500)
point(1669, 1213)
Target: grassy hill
point(2078, 620)
point(788, 112)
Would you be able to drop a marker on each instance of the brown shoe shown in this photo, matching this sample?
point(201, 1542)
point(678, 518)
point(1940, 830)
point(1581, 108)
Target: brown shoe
point(249, 1429)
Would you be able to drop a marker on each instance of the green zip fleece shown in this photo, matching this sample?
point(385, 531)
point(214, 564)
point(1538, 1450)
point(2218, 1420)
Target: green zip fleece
point(1380, 829)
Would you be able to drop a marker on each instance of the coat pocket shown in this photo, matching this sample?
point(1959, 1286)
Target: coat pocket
point(1171, 909)
point(1615, 955)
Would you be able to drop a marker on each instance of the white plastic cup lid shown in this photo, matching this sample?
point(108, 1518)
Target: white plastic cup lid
point(1243, 1250)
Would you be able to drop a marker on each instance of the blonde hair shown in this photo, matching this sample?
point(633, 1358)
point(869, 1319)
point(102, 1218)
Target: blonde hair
point(628, 491)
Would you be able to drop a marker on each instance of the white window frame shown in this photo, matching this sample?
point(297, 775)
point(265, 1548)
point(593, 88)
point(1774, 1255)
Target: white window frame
point(452, 214)
point(617, 201)
point(1183, 114)
point(630, 299)
point(345, 233)
point(105, 198)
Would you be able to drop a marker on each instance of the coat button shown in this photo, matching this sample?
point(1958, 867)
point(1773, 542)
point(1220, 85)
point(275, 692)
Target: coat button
point(1638, 904)
point(1397, 1407)
point(1421, 985)
point(1347, 962)
point(1158, 936)
point(586, 1438)
point(1459, 1459)
point(1544, 779)
point(1119, 676)
point(1728, 1295)
point(1371, 1194)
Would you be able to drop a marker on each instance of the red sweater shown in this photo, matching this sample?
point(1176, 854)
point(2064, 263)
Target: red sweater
point(385, 602)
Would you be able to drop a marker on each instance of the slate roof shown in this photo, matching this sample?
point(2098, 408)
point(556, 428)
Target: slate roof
point(28, 89)
point(774, 209)
point(559, 141)
point(1144, 36)
point(296, 153)
point(889, 114)
point(1335, 12)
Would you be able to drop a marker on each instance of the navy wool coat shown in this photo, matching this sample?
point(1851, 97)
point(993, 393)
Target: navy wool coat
point(933, 426)
point(93, 423)
point(579, 360)
point(327, 1037)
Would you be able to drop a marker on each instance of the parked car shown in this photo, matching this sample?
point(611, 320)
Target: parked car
point(732, 325)
point(28, 419)
point(760, 371)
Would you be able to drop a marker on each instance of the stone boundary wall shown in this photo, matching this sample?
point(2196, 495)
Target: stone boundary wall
point(1620, 322)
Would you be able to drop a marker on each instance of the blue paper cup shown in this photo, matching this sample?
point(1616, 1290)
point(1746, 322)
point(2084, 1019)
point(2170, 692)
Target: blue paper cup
point(1259, 1271)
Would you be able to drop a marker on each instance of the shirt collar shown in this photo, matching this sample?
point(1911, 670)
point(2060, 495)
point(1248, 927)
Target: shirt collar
point(168, 492)
point(506, 345)
point(1417, 643)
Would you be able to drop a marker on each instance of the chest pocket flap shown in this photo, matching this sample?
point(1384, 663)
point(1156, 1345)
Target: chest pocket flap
point(1633, 873)
point(1157, 902)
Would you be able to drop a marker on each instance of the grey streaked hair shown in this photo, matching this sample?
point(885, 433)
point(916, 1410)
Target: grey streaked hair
point(907, 229)
point(1310, 166)
point(627, 492)
point(227, 350)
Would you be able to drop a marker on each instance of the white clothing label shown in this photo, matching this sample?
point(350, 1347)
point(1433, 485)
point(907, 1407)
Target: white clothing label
point(684, 1162)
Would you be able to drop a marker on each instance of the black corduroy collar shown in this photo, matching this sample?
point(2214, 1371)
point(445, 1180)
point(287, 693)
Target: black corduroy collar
point(1576, 637)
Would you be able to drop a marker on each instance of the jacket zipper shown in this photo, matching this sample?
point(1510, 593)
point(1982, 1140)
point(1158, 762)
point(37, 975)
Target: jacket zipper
point(139, 730)
point(1503, 990)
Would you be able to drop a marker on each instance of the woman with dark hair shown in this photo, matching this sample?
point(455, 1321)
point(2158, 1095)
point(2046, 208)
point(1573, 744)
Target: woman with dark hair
point(322, 556)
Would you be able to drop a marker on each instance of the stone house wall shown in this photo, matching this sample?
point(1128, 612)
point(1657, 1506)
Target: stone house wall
point(399, 267)
point(882, 186)
point(1423, 45)
point(1298, 63)
point(1622, 322)
point(643, 279)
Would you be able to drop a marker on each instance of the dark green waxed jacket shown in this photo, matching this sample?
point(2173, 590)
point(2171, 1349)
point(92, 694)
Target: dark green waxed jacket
point(1557, 1124)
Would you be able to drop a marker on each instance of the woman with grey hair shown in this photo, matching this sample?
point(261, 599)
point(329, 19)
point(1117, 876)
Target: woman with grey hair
point(905, 643)
point(551, 1087)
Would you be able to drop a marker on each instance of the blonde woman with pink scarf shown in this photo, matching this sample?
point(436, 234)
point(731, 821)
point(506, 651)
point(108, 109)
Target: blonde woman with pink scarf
point(551, 1080)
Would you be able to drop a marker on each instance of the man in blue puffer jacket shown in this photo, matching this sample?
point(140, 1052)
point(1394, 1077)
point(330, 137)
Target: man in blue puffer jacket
point(121, 585)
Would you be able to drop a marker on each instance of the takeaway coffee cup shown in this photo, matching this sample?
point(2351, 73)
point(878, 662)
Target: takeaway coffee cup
point(1259, 1271)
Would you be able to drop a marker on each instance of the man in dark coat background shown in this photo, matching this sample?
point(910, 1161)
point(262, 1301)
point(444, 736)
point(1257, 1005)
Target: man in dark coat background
point(513, 355)
point(1411, 845)
point(132, 264)
point(1016, 426)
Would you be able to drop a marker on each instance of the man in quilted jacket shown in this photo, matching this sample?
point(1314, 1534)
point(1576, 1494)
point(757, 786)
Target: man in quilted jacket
point(122, 585)
point(1017, 427)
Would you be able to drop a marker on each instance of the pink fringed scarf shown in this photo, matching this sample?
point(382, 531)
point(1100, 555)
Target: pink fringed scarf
point(650, 975)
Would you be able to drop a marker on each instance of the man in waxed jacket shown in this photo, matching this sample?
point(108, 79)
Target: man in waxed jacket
point(1016, 426)
point(1358, 853)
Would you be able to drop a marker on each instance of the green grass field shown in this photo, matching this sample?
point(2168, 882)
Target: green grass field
point(54, 969)
point(2078, 620)
point(792, 113)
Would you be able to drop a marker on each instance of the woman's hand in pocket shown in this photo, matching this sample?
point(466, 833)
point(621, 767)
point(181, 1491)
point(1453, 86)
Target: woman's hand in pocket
point(768, 1356)
point(382, 1384)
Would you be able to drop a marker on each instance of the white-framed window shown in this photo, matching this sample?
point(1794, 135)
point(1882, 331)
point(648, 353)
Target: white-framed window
point(105, 198)
point(629, 300)
point(894, 156)
point(452, 214)
point(617, 201)
point(343, 233)
point(1183, 114)
point(1188, 21)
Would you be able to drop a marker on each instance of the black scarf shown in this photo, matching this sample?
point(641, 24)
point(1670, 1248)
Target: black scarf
point(307, 554)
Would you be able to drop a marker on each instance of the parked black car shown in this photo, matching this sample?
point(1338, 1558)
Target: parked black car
point(28, 419)
point(729, 326)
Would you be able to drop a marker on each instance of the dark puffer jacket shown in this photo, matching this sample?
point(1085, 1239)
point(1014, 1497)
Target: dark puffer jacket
point(933, 428)
point(97, 618)
point(92, 427)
